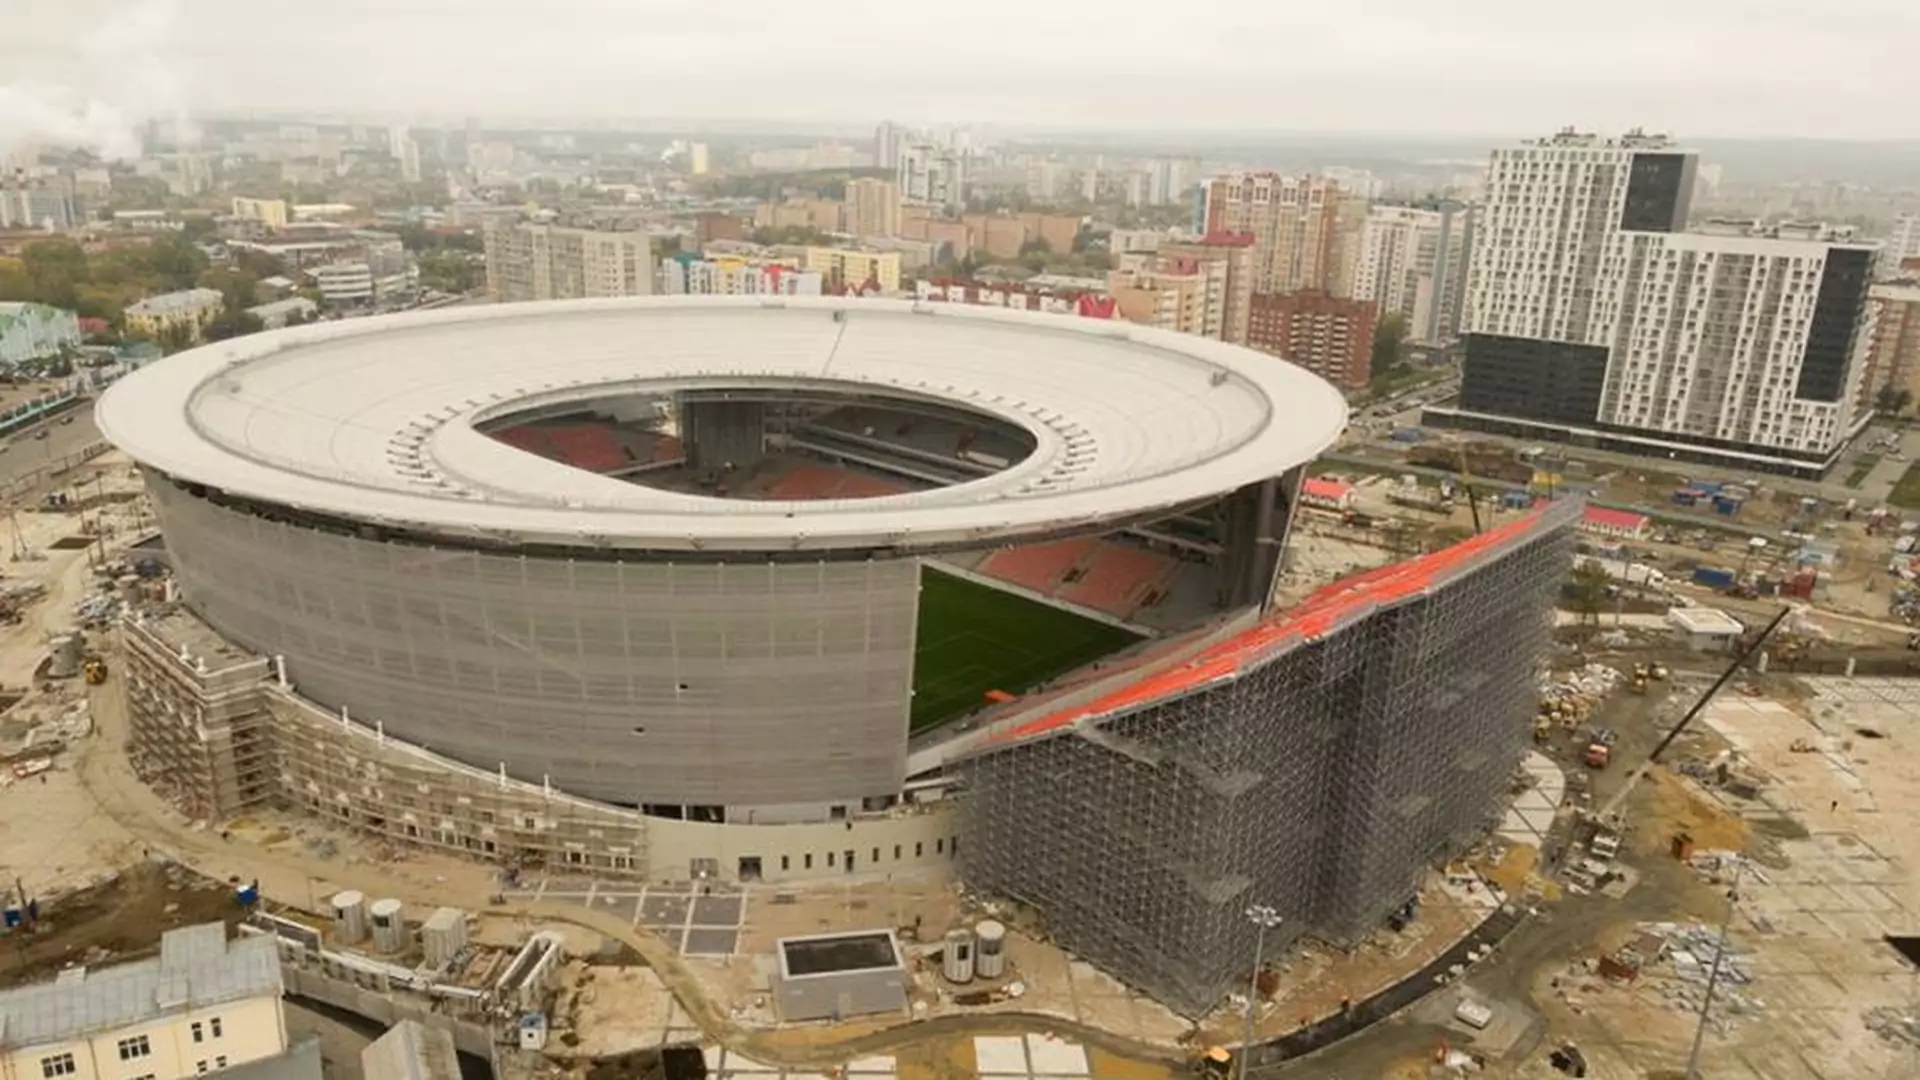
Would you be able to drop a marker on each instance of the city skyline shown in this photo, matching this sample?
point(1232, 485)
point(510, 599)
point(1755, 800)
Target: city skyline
point(90, 71)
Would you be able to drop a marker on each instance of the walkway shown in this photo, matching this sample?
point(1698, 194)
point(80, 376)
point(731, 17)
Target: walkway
point(104, 772)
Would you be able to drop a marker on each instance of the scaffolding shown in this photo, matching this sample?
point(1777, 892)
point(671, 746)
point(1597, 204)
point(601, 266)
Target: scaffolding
point(1372, 737)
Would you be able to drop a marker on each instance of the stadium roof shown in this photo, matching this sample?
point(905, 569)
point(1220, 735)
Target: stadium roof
point(375, 419)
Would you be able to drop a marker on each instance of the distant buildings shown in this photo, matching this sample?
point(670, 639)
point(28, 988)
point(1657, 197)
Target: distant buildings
point(933, 175)
point(1895, 359)
point(1305, 229)
point(551, 262)
point(271, 213)
point(35, 332)
point(852, 268)
point(709, 227)
point(1413, 263)
point(1592, 315)
point(186, 312)
point(1203, 288)
point(887, 139)
point(1328, 335)
point(872, 208)
point(37, 206)
point(697, 159)
point(686, 274)
point(820, 215)
point(204, 1005)
point(279, 313)
point(1905, 241)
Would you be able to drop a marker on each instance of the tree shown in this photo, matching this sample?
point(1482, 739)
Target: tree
point(1892, 400)
point(232, 323)
point(1589, 589)
point(235, 286)
point(176, 262)
point(1387, 338)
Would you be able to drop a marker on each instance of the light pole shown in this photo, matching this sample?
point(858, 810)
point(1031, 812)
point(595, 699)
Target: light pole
point(1263, 918)
point(1713, 973)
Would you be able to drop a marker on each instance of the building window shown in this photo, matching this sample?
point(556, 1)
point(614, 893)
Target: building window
point(785, 862)
point(220, 1062)
point(136, 1047)
point(199, 1032)
point(918, 848)
point(200, 1067)
point(806, 861)
point(57, 1065)
point(213, 1027)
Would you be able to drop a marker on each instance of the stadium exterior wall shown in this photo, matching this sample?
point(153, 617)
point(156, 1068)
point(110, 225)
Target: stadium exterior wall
point(1319, 766)
point(637, 683)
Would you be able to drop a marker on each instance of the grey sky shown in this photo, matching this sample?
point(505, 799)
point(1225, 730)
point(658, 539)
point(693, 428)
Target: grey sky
point(1697, 67)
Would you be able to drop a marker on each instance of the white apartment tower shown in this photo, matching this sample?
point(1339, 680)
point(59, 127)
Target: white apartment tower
point(933, 176)
point(1412, 261)
point(1592, 316)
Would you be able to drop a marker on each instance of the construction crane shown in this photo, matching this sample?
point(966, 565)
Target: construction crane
point(1466, 482)
point(1613, 804)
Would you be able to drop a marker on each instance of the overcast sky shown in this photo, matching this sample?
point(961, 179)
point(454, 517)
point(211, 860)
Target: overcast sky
point(1696, 67)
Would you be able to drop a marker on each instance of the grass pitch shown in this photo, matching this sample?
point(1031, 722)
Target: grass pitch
point(974, 638)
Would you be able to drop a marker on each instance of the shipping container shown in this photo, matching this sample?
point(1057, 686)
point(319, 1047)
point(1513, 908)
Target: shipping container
point(1714, 577)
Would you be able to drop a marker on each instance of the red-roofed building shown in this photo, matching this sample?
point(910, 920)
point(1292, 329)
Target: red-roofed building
point(1325, 494)
point(1614, 524)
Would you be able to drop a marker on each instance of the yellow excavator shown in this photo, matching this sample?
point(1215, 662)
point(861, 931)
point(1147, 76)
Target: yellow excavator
point(95, 670)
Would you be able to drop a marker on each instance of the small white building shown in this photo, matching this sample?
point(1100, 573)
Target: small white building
point(1705, 629)
point(36, 331)
point(205, 1005)
point(296, 309)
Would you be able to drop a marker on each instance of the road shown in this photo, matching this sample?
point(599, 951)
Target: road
point(21, 454)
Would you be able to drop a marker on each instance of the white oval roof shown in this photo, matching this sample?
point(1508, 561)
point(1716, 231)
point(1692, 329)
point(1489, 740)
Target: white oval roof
point(373, 419)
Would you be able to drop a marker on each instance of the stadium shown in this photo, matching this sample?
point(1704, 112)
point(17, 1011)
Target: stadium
point(778, 566)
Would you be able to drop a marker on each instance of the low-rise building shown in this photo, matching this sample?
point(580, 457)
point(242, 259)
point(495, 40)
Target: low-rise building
point(204, 1005)
point(854, 268)
point(344, 284)
point(271, 213)
point(279, 313)
point(35, 332)
point(185, 312)
point(1614, 524)
point(689, 275)
point(1706, 629)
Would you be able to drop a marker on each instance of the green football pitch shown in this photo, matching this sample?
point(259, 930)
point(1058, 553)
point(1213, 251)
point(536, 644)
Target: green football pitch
point(974, 638)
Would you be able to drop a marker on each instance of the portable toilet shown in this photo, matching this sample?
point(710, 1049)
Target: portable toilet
point(388, 919)
point(990, 949)
point(956, 960)
point(349, 917)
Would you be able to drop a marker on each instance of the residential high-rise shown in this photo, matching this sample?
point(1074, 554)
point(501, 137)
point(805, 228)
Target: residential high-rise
point(1413, 262)
point(1295, 222)
point(1591, 314)
point(1328, 335)
point(1234, 254)
point(1904, 243)
point(698, 159)
point(933, 175)
point(887, 139)
point(550, 262)
point(872, 207)
point(1895, 361)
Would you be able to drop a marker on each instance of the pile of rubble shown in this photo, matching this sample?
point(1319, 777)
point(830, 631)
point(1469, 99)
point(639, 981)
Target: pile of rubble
point(1687, 951)
point(1894, 1025)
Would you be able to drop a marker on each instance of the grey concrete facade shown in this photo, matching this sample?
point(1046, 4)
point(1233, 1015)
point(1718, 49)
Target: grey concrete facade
point(637, 683)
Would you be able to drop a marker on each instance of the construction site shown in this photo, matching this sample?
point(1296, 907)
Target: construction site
point(1749, 891)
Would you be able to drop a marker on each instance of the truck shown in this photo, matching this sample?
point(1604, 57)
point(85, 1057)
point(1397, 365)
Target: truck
point(1713, 577)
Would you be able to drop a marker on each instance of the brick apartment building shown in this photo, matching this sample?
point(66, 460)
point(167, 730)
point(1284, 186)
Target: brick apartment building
point(1329, 336)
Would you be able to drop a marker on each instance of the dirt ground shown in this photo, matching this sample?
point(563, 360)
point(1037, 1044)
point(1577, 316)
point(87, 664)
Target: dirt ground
point(121, 918)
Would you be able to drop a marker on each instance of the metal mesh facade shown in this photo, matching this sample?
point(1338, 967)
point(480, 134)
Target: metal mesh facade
point(1321, 779)
point(632, 682)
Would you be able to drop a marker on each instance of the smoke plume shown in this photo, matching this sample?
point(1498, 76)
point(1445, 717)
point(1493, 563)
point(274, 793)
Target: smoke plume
point(121, 78)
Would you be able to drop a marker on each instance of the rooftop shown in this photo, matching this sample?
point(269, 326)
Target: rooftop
point(381, 419)
point(1705, 620)
point(176, 303)
point(197, 967)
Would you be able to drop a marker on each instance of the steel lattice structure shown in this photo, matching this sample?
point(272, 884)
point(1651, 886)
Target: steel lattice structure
point(1317, 764)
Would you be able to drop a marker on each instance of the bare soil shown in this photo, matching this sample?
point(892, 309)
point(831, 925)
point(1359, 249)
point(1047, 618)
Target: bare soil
point(119, 919)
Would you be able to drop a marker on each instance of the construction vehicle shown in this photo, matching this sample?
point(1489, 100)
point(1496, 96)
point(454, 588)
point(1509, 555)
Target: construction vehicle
point(95, 670)
point(1215, 1063)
